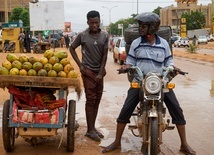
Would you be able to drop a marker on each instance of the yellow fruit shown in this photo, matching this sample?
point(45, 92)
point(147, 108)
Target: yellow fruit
point(43, 60)
point(37, 66)
point(14, 71)
point(72, 74)
point(32, 60)
point(22, 72)
point(23, 58)
point(31, 72)
point(53, 60)
point(52, 73)
point(48, 54)
point(68, 68)
point(62, 74)
point(11, 57)
point(17, 64)
point(61, 54)
point(42, 72)
point(48, 67)
point(65, 61)
point(7, 64)
point(4, 71)
point(58, 67)
point(27, 66)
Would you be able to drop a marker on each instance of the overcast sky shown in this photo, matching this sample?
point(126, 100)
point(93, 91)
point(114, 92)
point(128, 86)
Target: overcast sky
point(75, 10)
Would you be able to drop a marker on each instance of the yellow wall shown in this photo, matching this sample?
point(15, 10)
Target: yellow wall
point(11, 34)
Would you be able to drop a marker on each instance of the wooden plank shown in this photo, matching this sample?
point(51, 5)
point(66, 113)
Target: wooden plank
point(38, 81)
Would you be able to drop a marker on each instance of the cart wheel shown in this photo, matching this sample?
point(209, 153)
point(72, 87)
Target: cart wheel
point(7, 132)
point(71, 125)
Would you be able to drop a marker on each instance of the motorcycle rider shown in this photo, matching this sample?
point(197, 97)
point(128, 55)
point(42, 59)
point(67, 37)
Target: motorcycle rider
point(149, 52)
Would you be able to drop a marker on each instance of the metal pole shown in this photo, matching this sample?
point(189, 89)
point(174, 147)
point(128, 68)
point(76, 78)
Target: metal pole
point(137, 6)
point(109, 9)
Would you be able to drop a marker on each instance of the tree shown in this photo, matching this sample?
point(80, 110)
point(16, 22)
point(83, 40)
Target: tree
point(194, 20)
point(157, 10)
point(20, 14)
point(125, 22)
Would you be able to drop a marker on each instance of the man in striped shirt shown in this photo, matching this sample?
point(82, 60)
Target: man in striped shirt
point(150, 52)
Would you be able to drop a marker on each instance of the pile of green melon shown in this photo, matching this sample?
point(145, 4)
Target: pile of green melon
point(51, 64)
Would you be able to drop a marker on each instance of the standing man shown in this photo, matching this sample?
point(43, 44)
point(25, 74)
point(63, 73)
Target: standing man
point(67, 41)
point(21, 41)
point(94, 48)
point(27, 42)
point(150, 52)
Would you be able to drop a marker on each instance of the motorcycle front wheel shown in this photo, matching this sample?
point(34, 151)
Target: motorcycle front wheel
point(154, 136)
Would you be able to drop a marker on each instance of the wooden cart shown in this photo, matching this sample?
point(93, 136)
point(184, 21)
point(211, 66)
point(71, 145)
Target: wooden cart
point(41, 47)
point(33, 128)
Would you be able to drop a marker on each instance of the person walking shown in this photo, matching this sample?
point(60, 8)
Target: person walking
point(67, 41)
point(21, 39)
point(149, 52)
point(27, 42)
point(94, 49)
point(194, 40)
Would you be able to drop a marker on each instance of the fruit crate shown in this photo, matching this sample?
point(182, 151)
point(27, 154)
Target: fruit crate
point(39, 81)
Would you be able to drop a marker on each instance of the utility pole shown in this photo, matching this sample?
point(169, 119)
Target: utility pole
point(5, 11)
point(137, 6)
point(212, 17)
point(109, 9)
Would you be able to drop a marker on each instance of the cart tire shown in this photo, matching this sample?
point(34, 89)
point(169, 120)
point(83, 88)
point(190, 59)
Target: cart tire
point(7, 132)
point(71, 125)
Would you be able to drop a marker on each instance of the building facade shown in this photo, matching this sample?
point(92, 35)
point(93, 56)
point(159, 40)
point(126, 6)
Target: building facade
point(6, 7)
point(171, 15)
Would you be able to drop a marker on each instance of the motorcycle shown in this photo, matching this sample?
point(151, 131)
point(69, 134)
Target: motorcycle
point(9, 46)
point(149, 115)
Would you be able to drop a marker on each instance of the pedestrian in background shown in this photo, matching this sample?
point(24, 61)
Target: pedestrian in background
point(21, 39)
point(194, 40)
point(67, 41)
point(94, 48)
point(27, 42)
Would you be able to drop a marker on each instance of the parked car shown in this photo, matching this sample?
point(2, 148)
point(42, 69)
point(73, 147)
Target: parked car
point(181, 42)
point(112, 43)
point(210, 37)
point(202, 40)
point(174, 38)
point(119, 53)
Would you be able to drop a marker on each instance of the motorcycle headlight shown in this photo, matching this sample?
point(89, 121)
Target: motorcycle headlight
point(153, 84)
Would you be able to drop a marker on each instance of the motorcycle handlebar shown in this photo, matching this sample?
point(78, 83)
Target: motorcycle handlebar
point(122, 71)
point(180, 72)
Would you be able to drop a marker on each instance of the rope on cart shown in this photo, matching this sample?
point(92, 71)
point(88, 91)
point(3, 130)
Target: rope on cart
point(63, 131)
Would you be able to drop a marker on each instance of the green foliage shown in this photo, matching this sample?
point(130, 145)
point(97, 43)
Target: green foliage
point(20, 13)
point(157, 10)
point(125, 22)
point(192, 48)
point(15, 14)
point(24, 16)
point(194, 20)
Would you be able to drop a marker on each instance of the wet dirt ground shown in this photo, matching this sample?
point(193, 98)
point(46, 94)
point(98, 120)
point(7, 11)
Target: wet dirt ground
point(193, 91)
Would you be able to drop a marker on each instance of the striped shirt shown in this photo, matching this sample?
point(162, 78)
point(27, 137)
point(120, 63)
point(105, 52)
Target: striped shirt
point(150, 57)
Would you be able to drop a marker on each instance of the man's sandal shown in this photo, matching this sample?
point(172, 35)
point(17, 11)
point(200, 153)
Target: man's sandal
point(93, 136)
point(109, 149)
point(187, 151)
point(99, 134)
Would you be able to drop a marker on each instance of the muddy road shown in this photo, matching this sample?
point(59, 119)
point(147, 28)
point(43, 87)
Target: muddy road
point(193, 92)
